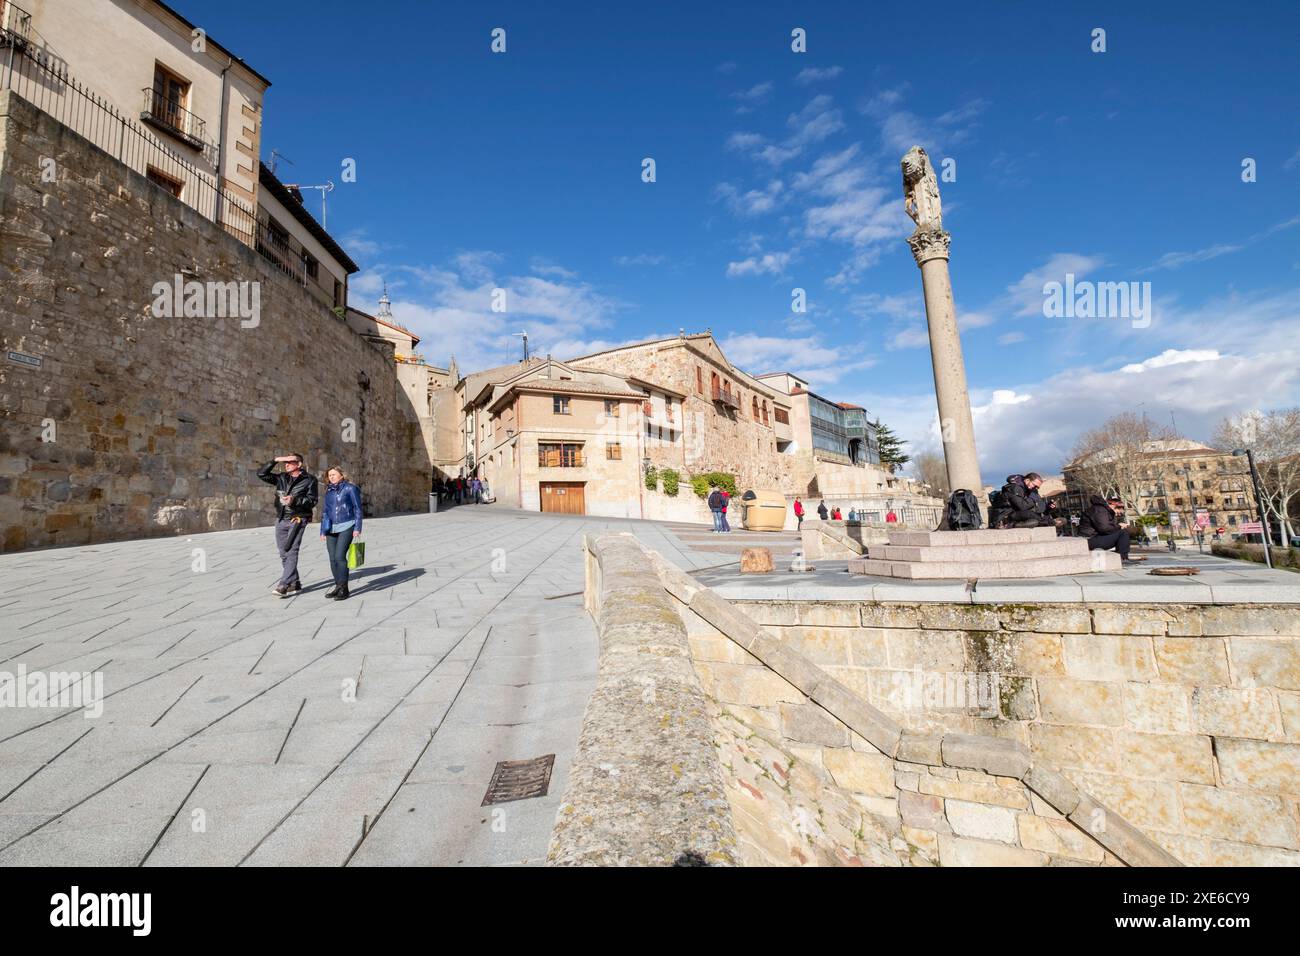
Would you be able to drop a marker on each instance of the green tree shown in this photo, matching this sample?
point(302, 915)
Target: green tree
point(890, 446)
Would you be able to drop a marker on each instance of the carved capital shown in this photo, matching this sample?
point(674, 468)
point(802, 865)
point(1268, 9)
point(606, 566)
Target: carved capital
point(929, 245)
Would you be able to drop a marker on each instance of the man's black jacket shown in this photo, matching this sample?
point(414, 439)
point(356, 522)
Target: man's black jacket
point(1098, 519)
point(303, 489)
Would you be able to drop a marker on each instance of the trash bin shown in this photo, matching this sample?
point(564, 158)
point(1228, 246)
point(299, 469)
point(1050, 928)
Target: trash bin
point(433, 503)
point(764, 510)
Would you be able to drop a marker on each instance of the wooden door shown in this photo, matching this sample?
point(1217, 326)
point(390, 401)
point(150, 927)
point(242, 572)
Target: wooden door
point(564, 497)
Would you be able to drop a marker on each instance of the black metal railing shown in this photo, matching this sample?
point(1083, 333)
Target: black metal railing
point(42, 81)
point(166, 112)
point(15, 25)
point(275, 248)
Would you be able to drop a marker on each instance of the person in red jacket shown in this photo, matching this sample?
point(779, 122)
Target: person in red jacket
point(798, 513)
point(726, 528)
point(836, 515)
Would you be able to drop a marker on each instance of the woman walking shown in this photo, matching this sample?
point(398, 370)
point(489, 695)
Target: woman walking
point(340, 523)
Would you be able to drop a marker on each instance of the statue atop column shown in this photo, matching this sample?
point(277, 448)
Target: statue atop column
point(921, 191)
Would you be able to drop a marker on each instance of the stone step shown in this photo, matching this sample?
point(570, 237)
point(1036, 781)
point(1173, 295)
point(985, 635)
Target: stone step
point(1035, 568)
point(948, 539)
point(1007, 551)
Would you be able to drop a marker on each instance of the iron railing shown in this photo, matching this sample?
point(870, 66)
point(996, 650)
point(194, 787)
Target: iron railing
point(169, 114)
point(278, 252)
point(15, 25)
point(36, 77)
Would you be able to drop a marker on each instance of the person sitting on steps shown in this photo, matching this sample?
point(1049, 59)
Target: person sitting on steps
point(1100, 524)
point(1019, 505)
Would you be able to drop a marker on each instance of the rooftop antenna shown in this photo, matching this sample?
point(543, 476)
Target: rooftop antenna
point(524, 335)
point(327, 188)
point(276, 156)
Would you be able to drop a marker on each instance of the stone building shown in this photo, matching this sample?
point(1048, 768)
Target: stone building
point(155, 67)
point(556, 438)
point(731, 421)
point(835, 457)
point(1178, 477)
point(129, 411)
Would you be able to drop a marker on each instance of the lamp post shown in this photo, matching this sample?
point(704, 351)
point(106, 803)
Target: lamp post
point(1259, 500)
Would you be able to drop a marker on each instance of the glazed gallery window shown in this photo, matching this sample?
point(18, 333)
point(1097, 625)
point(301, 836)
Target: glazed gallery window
point(559, 455)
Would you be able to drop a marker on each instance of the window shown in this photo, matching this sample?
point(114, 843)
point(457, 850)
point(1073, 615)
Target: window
point(560, 404)
point(613, 451)
point(755, 406)
point(668, 407)
point(340, 296)
point(699, 380)
point(1201, 466)
point(171, 97)
point(1232, 519)
point(782, 416)
point(310, 266)
point(765, 421)
point(611, 408)
point(173, 186)
point(559, 455)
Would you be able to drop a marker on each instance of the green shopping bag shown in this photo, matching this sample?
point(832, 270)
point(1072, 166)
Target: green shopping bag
point(356, 555)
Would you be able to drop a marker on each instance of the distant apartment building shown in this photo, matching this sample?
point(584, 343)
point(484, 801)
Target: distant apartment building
point(1180, 478)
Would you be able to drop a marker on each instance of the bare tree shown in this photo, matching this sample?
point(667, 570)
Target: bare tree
point(1114, 459)
point(1274, 437)
point(931, 470)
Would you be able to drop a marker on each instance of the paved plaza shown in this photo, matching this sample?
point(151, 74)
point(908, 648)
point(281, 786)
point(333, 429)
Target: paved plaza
point(242, 729)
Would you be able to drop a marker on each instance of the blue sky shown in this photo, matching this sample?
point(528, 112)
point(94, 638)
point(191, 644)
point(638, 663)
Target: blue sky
point(778, 170)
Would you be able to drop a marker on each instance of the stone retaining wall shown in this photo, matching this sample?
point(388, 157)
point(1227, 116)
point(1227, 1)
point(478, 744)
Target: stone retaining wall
point(810, 771)
point(1184, 718)
point(135, 425)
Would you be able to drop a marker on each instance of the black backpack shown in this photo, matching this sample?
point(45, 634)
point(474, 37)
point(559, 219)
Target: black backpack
point(997, 505)
point(963, 511)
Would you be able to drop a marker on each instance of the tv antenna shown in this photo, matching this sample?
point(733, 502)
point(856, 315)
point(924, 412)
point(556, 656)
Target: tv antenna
point(523, 335)
point(276, 156)
point(327, 188)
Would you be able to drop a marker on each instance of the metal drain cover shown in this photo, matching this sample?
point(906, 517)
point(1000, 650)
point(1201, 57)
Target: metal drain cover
point(519, 780)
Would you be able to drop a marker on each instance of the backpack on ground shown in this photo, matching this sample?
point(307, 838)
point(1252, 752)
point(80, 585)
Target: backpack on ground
point(963, 511)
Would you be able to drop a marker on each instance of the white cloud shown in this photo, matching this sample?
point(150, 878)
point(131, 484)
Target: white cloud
point(1173, 357)
point(813, 74)
point(772, 263)
point(1011, 338)
point(806, 357)
point(641, 259)
point(910, 337)
point(1172, 260)
point(1027, 292)
point(754, 202)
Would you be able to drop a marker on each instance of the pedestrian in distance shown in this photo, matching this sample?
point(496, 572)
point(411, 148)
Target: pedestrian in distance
point(726, 498)
point(822, 511)
point(798, 513)
point(295, 499)
point(340, 525)
point(715, 508)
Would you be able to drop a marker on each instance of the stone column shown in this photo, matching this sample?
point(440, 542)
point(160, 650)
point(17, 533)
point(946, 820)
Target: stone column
point(930, 248)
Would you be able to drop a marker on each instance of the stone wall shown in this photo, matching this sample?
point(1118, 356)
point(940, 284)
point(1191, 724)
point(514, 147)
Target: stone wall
point(1184, 718)
point(159, 424)
point(813, 773)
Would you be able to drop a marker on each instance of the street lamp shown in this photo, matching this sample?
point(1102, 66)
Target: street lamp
point(1259, 500)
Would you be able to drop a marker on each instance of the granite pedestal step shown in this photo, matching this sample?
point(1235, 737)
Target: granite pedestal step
point(1001, 553)
point(985, 568)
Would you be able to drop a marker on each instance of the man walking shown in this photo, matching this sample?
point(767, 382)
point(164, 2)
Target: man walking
point(295, 499)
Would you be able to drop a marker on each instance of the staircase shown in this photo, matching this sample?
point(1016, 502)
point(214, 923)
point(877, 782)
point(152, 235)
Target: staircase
point(1008, 553)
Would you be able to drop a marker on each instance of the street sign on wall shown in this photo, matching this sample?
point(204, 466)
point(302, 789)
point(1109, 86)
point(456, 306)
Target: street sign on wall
point(1251, 527)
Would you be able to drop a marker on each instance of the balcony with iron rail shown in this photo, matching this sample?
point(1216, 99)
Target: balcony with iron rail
point(169, 116)
point(15, 26)
point(726, 397)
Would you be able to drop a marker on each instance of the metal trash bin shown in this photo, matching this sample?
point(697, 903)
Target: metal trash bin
point(433, 503)
point(764, 510)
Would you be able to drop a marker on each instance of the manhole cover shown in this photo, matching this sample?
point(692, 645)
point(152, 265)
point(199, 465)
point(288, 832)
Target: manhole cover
point(1172, 572)
point(519, 780)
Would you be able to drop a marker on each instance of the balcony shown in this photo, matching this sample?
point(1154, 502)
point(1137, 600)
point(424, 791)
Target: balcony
point(274, 246)
point(560, 456)
point(15, 25)
point(726, 397)
point(169, 116)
